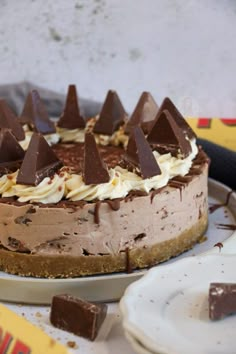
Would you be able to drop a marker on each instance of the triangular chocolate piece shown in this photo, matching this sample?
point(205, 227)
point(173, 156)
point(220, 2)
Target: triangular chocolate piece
point(9, 120)
point(95, 170)
point(140, 155)
point(35, 115)
point(168, 105)
point(71, 118)
point(144, 114)
point(11, 153)
point(112, 115)
point(40, 161)
point(166, 136)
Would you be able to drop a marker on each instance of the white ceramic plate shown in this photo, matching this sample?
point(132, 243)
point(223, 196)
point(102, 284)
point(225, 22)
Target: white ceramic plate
point(111, 287)
point(167, 310)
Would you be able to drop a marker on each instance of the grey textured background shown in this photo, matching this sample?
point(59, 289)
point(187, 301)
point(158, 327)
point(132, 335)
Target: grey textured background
point(182, 48)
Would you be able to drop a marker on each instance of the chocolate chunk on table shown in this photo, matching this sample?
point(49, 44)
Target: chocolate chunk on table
point(222, 300)
point(77, 316)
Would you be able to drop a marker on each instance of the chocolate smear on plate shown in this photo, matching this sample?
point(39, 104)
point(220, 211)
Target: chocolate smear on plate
point(166, 136)
point(78, 316)
point(11, 153)
point(231, 227)
point(112, 115)
point(95, 170)
point(9, 120)
point(35, 115)
point(139, 155)
point(168, 105)
point(40, 161)
point(222, 300)
point(144, 114)
point(71, 118)
point(214, 207)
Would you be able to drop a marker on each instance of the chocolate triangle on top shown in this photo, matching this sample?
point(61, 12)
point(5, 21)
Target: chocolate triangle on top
point(9, 120)
point(143, 114)
point(95, 170)
point(168, 105)
point(40, 161)
point(112, 115)
point(71, 117)
point(166, 136)
point(139, 155)
point(35, 115)
point(11, 153)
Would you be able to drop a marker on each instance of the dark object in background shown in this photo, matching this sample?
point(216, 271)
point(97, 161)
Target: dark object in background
point(77, 316)
point(223, 163)
point(15, 95)
point(222, 300)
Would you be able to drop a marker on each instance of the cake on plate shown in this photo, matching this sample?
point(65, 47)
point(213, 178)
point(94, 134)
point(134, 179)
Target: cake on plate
point(110, 193)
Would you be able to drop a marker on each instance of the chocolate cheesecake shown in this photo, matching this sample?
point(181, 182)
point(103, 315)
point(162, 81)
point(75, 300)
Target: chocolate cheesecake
point(102, 195)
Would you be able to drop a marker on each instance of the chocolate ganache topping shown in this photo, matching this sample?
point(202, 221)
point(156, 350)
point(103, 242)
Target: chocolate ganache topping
point(139, 155)
point(166, 136)
point(11, 153)
point(39, 162)
point(35, 115)
point(112, 115)
point(9, 120)
point(71, 117)
point(143, 114)
point(95, 170)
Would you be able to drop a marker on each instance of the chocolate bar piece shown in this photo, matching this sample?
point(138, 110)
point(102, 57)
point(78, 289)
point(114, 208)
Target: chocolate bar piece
point(222, 300)
point(77, 316)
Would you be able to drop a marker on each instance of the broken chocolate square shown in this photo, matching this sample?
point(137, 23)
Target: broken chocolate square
point(35, 115)
point(222, 300)
point(112, 115)
point(144, 114)
point(77, 316)
point(9, 120)
point(71, 117)
point(95, 170)
point(139, 155)
point(39, 162)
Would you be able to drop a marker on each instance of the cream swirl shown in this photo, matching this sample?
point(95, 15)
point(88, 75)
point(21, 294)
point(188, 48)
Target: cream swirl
point(71, 135)
point(49, 190)
point(123, 181)
point(117, 138)
point(51, 139)
point(7, 181)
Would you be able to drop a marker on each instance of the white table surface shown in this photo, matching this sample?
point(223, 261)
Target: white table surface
point(111, 338)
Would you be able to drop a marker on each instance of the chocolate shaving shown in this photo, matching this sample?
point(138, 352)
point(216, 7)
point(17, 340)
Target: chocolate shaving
point(35, 115)
point(71, 117)
point(112, 115)
point(139, 155)
point(143, 114)
point(231, 227)
point(220, 245)
point(40, 161)
point(168, 105)
point(11, 153)
point(9, 120)
point(95, 171)
point(166, 136)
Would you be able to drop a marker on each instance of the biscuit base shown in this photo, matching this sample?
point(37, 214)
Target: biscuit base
point(66, 266)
